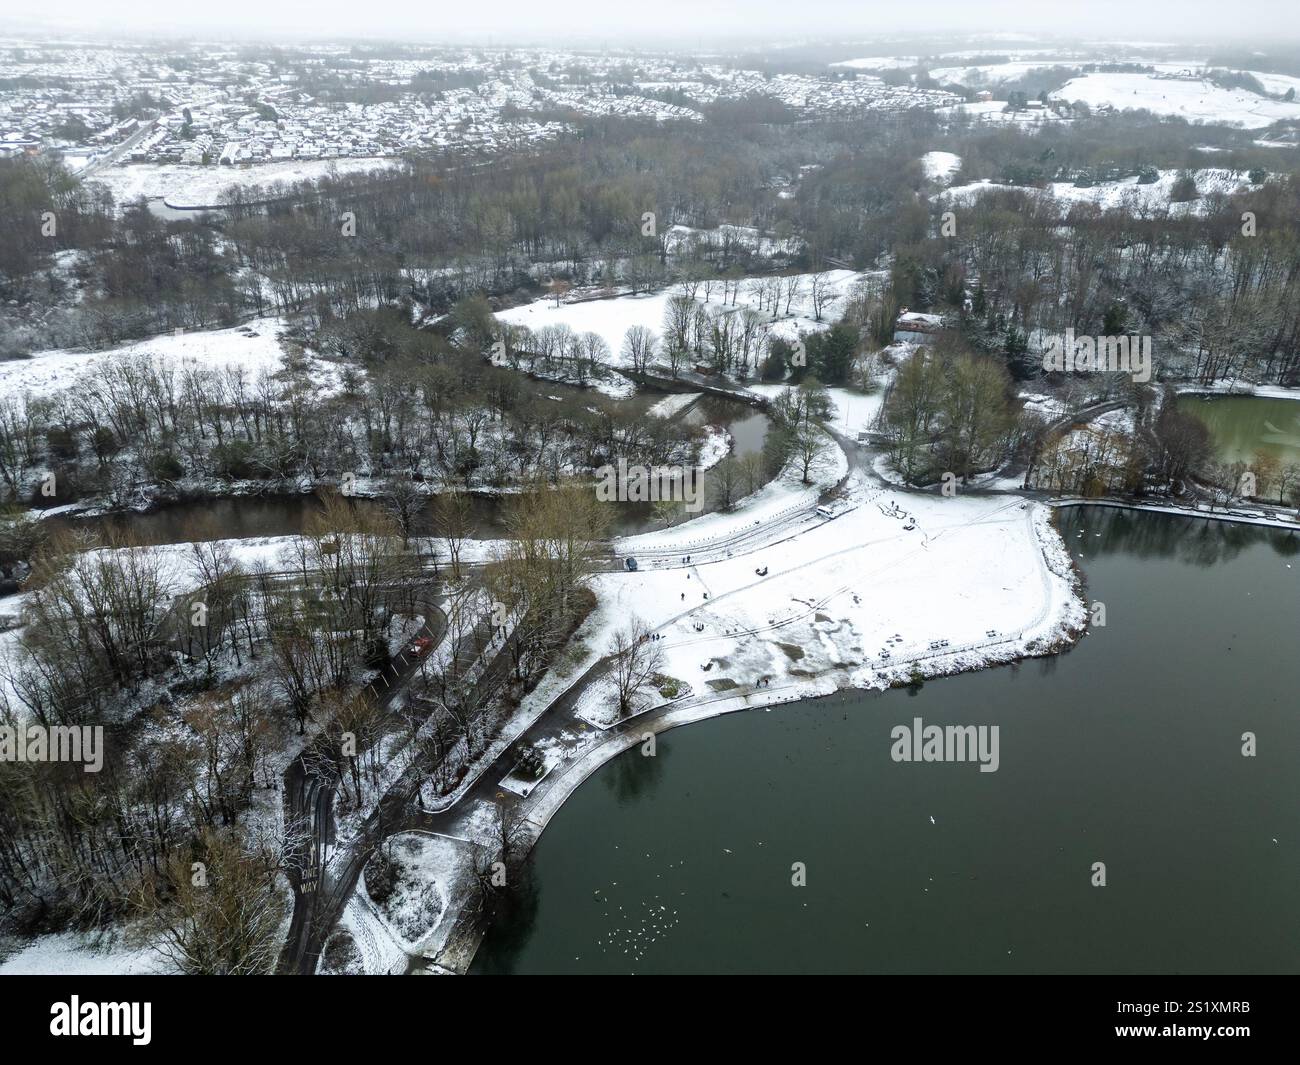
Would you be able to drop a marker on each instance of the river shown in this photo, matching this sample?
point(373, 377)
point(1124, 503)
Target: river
point(285, 515)
point(1127, 750)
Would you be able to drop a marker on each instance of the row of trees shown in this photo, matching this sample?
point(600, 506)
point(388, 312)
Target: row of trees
point(441, 416)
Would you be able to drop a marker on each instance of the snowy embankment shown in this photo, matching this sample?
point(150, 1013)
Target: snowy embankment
point(1239, 388)
point(1272, 517)
point(782, 499)
point(674, 404)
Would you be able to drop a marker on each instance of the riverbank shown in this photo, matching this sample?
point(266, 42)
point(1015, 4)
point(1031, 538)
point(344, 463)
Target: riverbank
point(1270, 517)
point(1237, 388)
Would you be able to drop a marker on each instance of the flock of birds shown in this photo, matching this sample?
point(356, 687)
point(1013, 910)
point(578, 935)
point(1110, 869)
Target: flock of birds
point(637, 930)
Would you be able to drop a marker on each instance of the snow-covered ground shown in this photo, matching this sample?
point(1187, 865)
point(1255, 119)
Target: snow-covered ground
point(995, 111)
point(1278, 83)
point(254, 346)
point(858, 600)
point(855, 412)
point(1195, 99)
point(940, 166)
point(610, 319)
point(674, 404)
point(680, 237)
point(1244, 388)
point(1126, 193)
point(878, 62)
point(184, 187)
point(434, 874)
point(776, 502)
point(991, 75)
point(73, 954)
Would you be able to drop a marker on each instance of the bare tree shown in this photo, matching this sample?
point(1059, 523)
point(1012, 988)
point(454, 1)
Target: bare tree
point(639, 344)
point(218, 909)
point(453, 520)
point(637, 659)
point(404, 501)
point(819, 292)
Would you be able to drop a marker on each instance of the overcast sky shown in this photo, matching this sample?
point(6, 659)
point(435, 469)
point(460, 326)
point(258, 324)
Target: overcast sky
point(623, 20)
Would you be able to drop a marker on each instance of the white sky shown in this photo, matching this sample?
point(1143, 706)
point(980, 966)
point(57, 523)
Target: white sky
point(688, 20)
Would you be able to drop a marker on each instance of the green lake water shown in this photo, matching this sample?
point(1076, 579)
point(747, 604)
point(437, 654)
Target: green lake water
point(1243, 425)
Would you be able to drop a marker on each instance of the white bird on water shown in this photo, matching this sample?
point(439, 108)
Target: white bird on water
point(932, 819)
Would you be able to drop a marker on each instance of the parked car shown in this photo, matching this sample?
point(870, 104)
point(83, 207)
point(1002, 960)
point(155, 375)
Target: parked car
point(630, 564)
point(761, 571)
point(419, 646)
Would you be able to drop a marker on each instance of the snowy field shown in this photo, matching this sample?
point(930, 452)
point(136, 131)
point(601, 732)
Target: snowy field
point(1195, 99)
point(860, 600)
point(991, 75)
point(610, 319)
point(878, 62)
point(854, 412)
point(1278, 83)
point(183, 187)
point(254, 346)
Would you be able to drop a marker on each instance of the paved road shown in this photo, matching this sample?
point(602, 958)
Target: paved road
point(115, 154)
point(309, 813)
